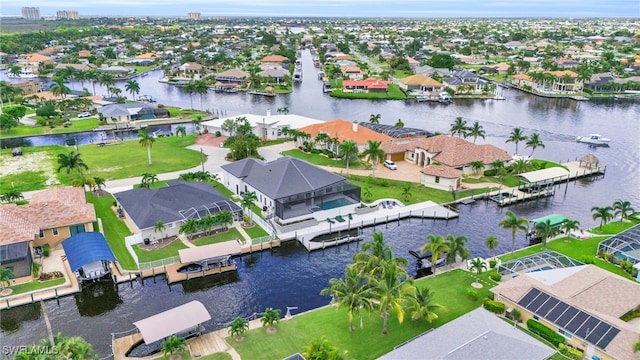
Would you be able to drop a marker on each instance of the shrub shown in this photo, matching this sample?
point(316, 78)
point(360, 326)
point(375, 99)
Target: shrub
point(490, 172)
point(570, 352)
point(45, 250)
point(493, 263)
point(218, 133)
point(495, 277)
point(35, 270)
point(384, 183)
point(516, 315)
point(160, 106)
point(51, 275)
point(587, 260)
point(473, 294)
point(494, 306)
point(545, 332)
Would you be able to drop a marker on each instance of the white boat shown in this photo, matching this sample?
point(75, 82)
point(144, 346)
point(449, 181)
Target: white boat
point(593, 139)
point(24, 74)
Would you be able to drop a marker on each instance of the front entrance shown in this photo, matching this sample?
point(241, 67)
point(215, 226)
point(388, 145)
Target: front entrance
point(76, 229)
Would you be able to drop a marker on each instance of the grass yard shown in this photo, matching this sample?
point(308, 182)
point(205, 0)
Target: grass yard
point(22, 130)
point(159, 254)
point(183, 113)
point(24, 181)
point(35, 285)
point(155, 185)
point(614, 227)
point(222, 189)
point(322, 160)
point(230, 234)
point(78, 125)
point(365, 343)
point(393, 93)
point(256, 232)
point(392, 189)
point(115, 229)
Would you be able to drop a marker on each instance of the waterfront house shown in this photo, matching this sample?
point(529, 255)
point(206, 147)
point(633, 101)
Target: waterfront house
point(344, 130)
point(76, 67)
point(267, 126)
point(274, 71)
point(369, 85)
point(191, 70)
point(122, 114)
point(118, 72)
point(290, 189)
point(172, 205)
point(34, 62)
point(232, 77)
point(351, 72)
point(566, 81)
point(274, 59)
point(421, 83)
point(463, 81)
point(51, 216)
point(582, 303)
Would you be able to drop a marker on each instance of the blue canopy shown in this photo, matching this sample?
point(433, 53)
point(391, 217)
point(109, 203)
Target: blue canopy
point(84, 248)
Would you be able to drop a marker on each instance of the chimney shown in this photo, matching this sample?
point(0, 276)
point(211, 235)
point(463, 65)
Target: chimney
point(268, 113)
point(355, 126)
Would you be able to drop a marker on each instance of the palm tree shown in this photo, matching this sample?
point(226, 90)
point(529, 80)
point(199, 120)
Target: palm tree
point(71, 161)
point(148, 180)
point(200, 88)
point(12, 195)
point(173, 344)
point(283, 110)
point(92, 75)
point(197, 123)
point(476, 166)
point(603, 213)
point(351, 293)
point(459, 127)
point(544, 231)
point(159, 227)
point(515, 137)
point(569, 225)
point(106, 80)
point(520, 166)
point(224, 218)
point(99, 182)
point(181, 131)
point(207, 223)
point(514, 223)
point(457, 246)
point(374, 153)
point(248, 199)
point(133, 88)
point(374, 254)
point(406, 192)
point(478, 265)
point(58, 86)
point(476, 131)
point(348, 150)
point(534, 142)
point(491, 243)
point(238, 328)
point(270, 317)
point(189, 88)
point(374, 119)
point(622, 208)
point(421, 305)
point(5, 276)
point(366, 193)
point(322, 349)
point(14, 70)
point(399, 124)
point(391, 290)
point(147, 141)
point(189, 227)
point(437, 246)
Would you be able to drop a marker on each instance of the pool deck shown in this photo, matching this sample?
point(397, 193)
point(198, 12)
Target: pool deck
point(381, 215)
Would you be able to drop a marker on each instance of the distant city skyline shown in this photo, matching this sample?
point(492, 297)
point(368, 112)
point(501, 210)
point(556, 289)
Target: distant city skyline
point(334, 8)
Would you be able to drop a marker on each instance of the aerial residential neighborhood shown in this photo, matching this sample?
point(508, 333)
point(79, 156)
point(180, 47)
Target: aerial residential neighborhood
point(204, 184)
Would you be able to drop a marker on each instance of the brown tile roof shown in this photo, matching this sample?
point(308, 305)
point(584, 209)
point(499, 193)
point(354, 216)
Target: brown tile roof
point(561, 73)
point(343, 130)
point(451, 151)
point(15, 228)
point(420, 79)
point(274, 59)
point(147, 56)
point(39, 58)
point(522, 77)
point(443, 171)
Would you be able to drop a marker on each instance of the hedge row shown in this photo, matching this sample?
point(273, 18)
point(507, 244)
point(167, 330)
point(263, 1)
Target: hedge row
point(545, 332)
point(570, 352)
point(494, 306)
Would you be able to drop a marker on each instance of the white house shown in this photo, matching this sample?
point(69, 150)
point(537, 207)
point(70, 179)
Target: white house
point(264, 126)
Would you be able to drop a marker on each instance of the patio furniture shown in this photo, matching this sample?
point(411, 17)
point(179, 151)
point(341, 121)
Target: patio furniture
point(340, 218)
point(330, 221)
point(350, 217)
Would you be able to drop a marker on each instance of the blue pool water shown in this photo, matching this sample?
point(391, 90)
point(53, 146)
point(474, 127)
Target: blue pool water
point(334, 203)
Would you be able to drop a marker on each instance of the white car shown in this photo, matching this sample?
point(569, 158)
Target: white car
point(390, 165)
point(85, 114)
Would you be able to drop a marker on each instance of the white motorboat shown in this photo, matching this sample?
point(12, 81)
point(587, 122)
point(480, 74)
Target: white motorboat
point(593, 139)
point(24, 74)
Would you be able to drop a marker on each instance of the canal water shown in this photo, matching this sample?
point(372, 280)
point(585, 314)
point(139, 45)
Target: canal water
point(289, 276)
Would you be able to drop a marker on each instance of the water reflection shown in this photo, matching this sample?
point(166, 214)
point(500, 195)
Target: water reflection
point(12, 319)
point(208, 282)
point(97, 298)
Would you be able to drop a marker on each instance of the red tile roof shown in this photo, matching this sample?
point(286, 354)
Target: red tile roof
point(443, 171)
point(343, 130)
point(368, 83)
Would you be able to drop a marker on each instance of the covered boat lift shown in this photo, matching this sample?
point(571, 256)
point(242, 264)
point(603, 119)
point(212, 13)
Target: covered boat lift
point(219, 252)
point(88, 254)
point(539, 180)
point(183, 318)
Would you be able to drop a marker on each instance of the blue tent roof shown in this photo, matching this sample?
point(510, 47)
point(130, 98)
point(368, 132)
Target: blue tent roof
point(84, 248)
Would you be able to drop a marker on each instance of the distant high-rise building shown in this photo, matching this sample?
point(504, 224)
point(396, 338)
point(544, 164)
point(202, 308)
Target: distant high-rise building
point(194, 15)
point(67, 14)
point(31, 13)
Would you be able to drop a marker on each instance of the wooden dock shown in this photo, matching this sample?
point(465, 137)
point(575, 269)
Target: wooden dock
point(121, 346)
point(174, 276)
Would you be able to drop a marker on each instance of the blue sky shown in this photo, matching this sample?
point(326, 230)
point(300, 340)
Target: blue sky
point(337, 8)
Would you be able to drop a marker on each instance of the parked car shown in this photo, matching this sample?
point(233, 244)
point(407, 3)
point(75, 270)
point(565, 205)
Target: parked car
point(85, 114)
point(390, 165)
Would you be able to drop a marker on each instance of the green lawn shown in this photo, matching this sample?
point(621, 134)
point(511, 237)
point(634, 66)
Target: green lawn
point(322, 160)
point(35, 285)
point(24, 181)
point(230, 234)
point(614, 227)
point(155, 185)
point(115, 229)
point(159, 254)
point(256, 232)
point(22, 130)
point(482, 179)
point(78, 125)
point(183, 113)
point(365, 343)
point(392, 189)
point(222, 189)
point(393, 93)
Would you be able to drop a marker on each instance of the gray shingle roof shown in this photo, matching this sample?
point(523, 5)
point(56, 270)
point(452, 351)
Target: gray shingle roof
point(283, 177)
point(147, 206)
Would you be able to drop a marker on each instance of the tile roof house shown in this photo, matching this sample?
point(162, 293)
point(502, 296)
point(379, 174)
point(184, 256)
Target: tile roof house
point(477, 334)
point(34, 62)
point(367, 86)
point(191, 70)
point(351, 72)
point(345, 130)
point(592, 299)
point(291, 188)
point(421, 82)
point(52, 216)
point(463, 81)
point(277, 59)
point(232, 76)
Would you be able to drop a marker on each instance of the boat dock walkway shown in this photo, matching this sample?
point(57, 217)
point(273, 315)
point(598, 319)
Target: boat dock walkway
point(381, 214)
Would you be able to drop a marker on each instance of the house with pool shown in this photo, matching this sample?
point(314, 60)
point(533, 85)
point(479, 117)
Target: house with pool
point(291, 189)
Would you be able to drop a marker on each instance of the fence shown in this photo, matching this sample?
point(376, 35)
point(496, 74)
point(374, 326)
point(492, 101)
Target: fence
point(158, 263)
point(263, 224)
point(261, 240)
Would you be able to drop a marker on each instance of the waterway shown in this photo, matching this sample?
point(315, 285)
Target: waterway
point(290, 276)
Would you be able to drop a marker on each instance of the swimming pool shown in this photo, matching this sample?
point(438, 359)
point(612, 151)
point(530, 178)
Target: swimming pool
point(543, 268)
point(334, 203)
